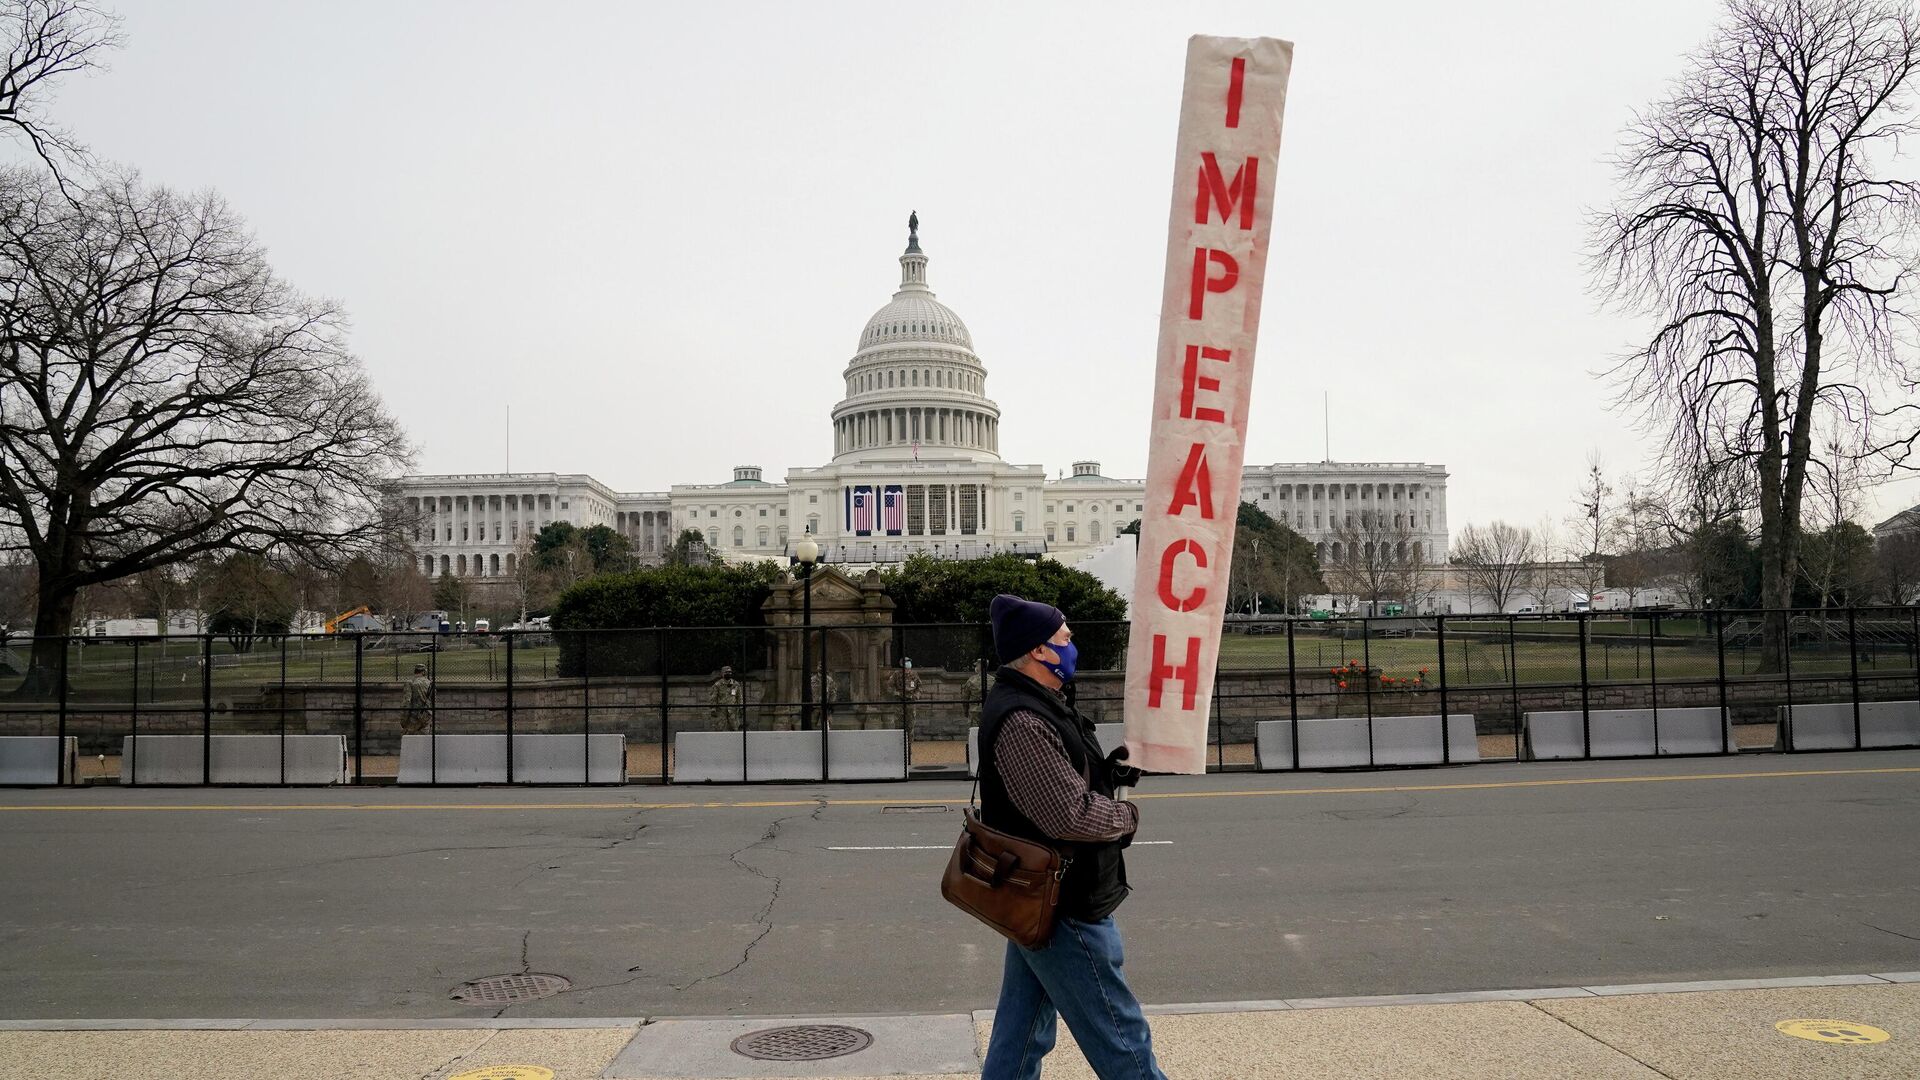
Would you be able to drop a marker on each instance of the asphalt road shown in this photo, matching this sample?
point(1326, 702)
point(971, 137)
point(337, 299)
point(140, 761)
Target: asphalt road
point(377, 902)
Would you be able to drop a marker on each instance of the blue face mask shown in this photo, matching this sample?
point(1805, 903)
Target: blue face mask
point(1069, 656)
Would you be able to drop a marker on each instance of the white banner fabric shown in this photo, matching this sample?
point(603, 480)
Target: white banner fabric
point(1230, 114)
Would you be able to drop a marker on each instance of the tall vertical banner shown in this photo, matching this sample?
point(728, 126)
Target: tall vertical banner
point(1230, 112)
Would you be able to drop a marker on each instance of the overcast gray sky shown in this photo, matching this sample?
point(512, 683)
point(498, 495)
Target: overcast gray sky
point(656, 230)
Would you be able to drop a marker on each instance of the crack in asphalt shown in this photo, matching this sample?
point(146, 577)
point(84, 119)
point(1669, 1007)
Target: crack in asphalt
point(765, 916)
point(1895, 933)
point(611, 842)
point(526, 966)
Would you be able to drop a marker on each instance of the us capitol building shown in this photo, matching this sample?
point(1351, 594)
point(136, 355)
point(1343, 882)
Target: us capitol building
point(916, 468)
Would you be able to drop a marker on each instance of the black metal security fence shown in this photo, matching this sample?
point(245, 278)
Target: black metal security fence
point(876, 701)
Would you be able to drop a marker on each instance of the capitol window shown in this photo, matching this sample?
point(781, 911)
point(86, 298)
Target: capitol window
point(1049, 532)
point(736, 513)
point(813, 498)
point(1069, 532)
point(712, 513)
point(763, 511)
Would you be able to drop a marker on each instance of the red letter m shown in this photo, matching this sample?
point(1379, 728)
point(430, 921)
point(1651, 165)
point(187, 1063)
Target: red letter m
point(1215, 190)
point(1188, 673)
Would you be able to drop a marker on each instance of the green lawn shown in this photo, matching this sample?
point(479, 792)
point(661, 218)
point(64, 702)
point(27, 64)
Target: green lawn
point(170, 671)
point(1480, 660)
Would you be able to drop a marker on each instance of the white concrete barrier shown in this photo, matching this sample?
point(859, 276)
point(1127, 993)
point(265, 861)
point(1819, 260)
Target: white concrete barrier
point(1110, 736)
point(233, 759)
point(784, 755)
point(600, 758)
point(879, 754)
point(1830, 726)
point(1555, 736)
point(709, 757)
point(1341, 742)
point(733, 757)
point(36, 759)
point(1416, 740)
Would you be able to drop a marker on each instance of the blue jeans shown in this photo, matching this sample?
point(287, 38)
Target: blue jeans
point(1076, 975)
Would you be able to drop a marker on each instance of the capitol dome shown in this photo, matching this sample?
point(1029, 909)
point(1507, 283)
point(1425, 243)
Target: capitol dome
point(915, 390)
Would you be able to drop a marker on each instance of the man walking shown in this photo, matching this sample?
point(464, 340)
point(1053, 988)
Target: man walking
point(1042, 778)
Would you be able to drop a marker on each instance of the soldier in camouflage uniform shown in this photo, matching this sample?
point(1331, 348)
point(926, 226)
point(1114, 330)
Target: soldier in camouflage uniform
point(725, 699)
point(419, 712)
point(902, 685)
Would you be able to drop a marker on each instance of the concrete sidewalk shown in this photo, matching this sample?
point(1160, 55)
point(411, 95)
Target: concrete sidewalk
point(1863, 1026)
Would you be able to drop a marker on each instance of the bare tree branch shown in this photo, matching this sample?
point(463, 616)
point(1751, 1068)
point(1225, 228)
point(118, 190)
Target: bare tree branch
point(46, 40)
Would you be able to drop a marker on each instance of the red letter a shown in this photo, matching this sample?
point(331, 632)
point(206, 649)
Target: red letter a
point(1195, 486)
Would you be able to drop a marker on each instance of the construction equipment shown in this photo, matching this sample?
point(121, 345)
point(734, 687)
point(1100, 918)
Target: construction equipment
point(332, 626)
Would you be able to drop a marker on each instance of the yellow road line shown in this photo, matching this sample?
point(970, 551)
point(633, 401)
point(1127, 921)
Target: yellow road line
point(909, 801)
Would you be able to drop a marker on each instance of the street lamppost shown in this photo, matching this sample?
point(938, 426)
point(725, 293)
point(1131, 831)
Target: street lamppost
point(808, 553)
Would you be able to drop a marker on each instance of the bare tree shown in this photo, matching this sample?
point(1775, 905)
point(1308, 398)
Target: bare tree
point(44, 41)
point(160, 589)
point(1593, 530)
point(1757, 226)
point(1638, 556)
point(165, 397)
point(1374, 558)
point(1495, 560)
point(1834, 559)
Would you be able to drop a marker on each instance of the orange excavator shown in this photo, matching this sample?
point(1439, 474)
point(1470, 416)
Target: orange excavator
point(332, 626)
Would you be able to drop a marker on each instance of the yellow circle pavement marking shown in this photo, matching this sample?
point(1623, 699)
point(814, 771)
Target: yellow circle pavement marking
point(1252, 793)
point(506, 1072)
point(1832, 1031)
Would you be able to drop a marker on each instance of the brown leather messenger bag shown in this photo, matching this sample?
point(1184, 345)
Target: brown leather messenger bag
point(1007, 882)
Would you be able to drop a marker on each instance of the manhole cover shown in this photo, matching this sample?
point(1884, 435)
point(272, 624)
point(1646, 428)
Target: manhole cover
point(507, 989)
point(807, 1042)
